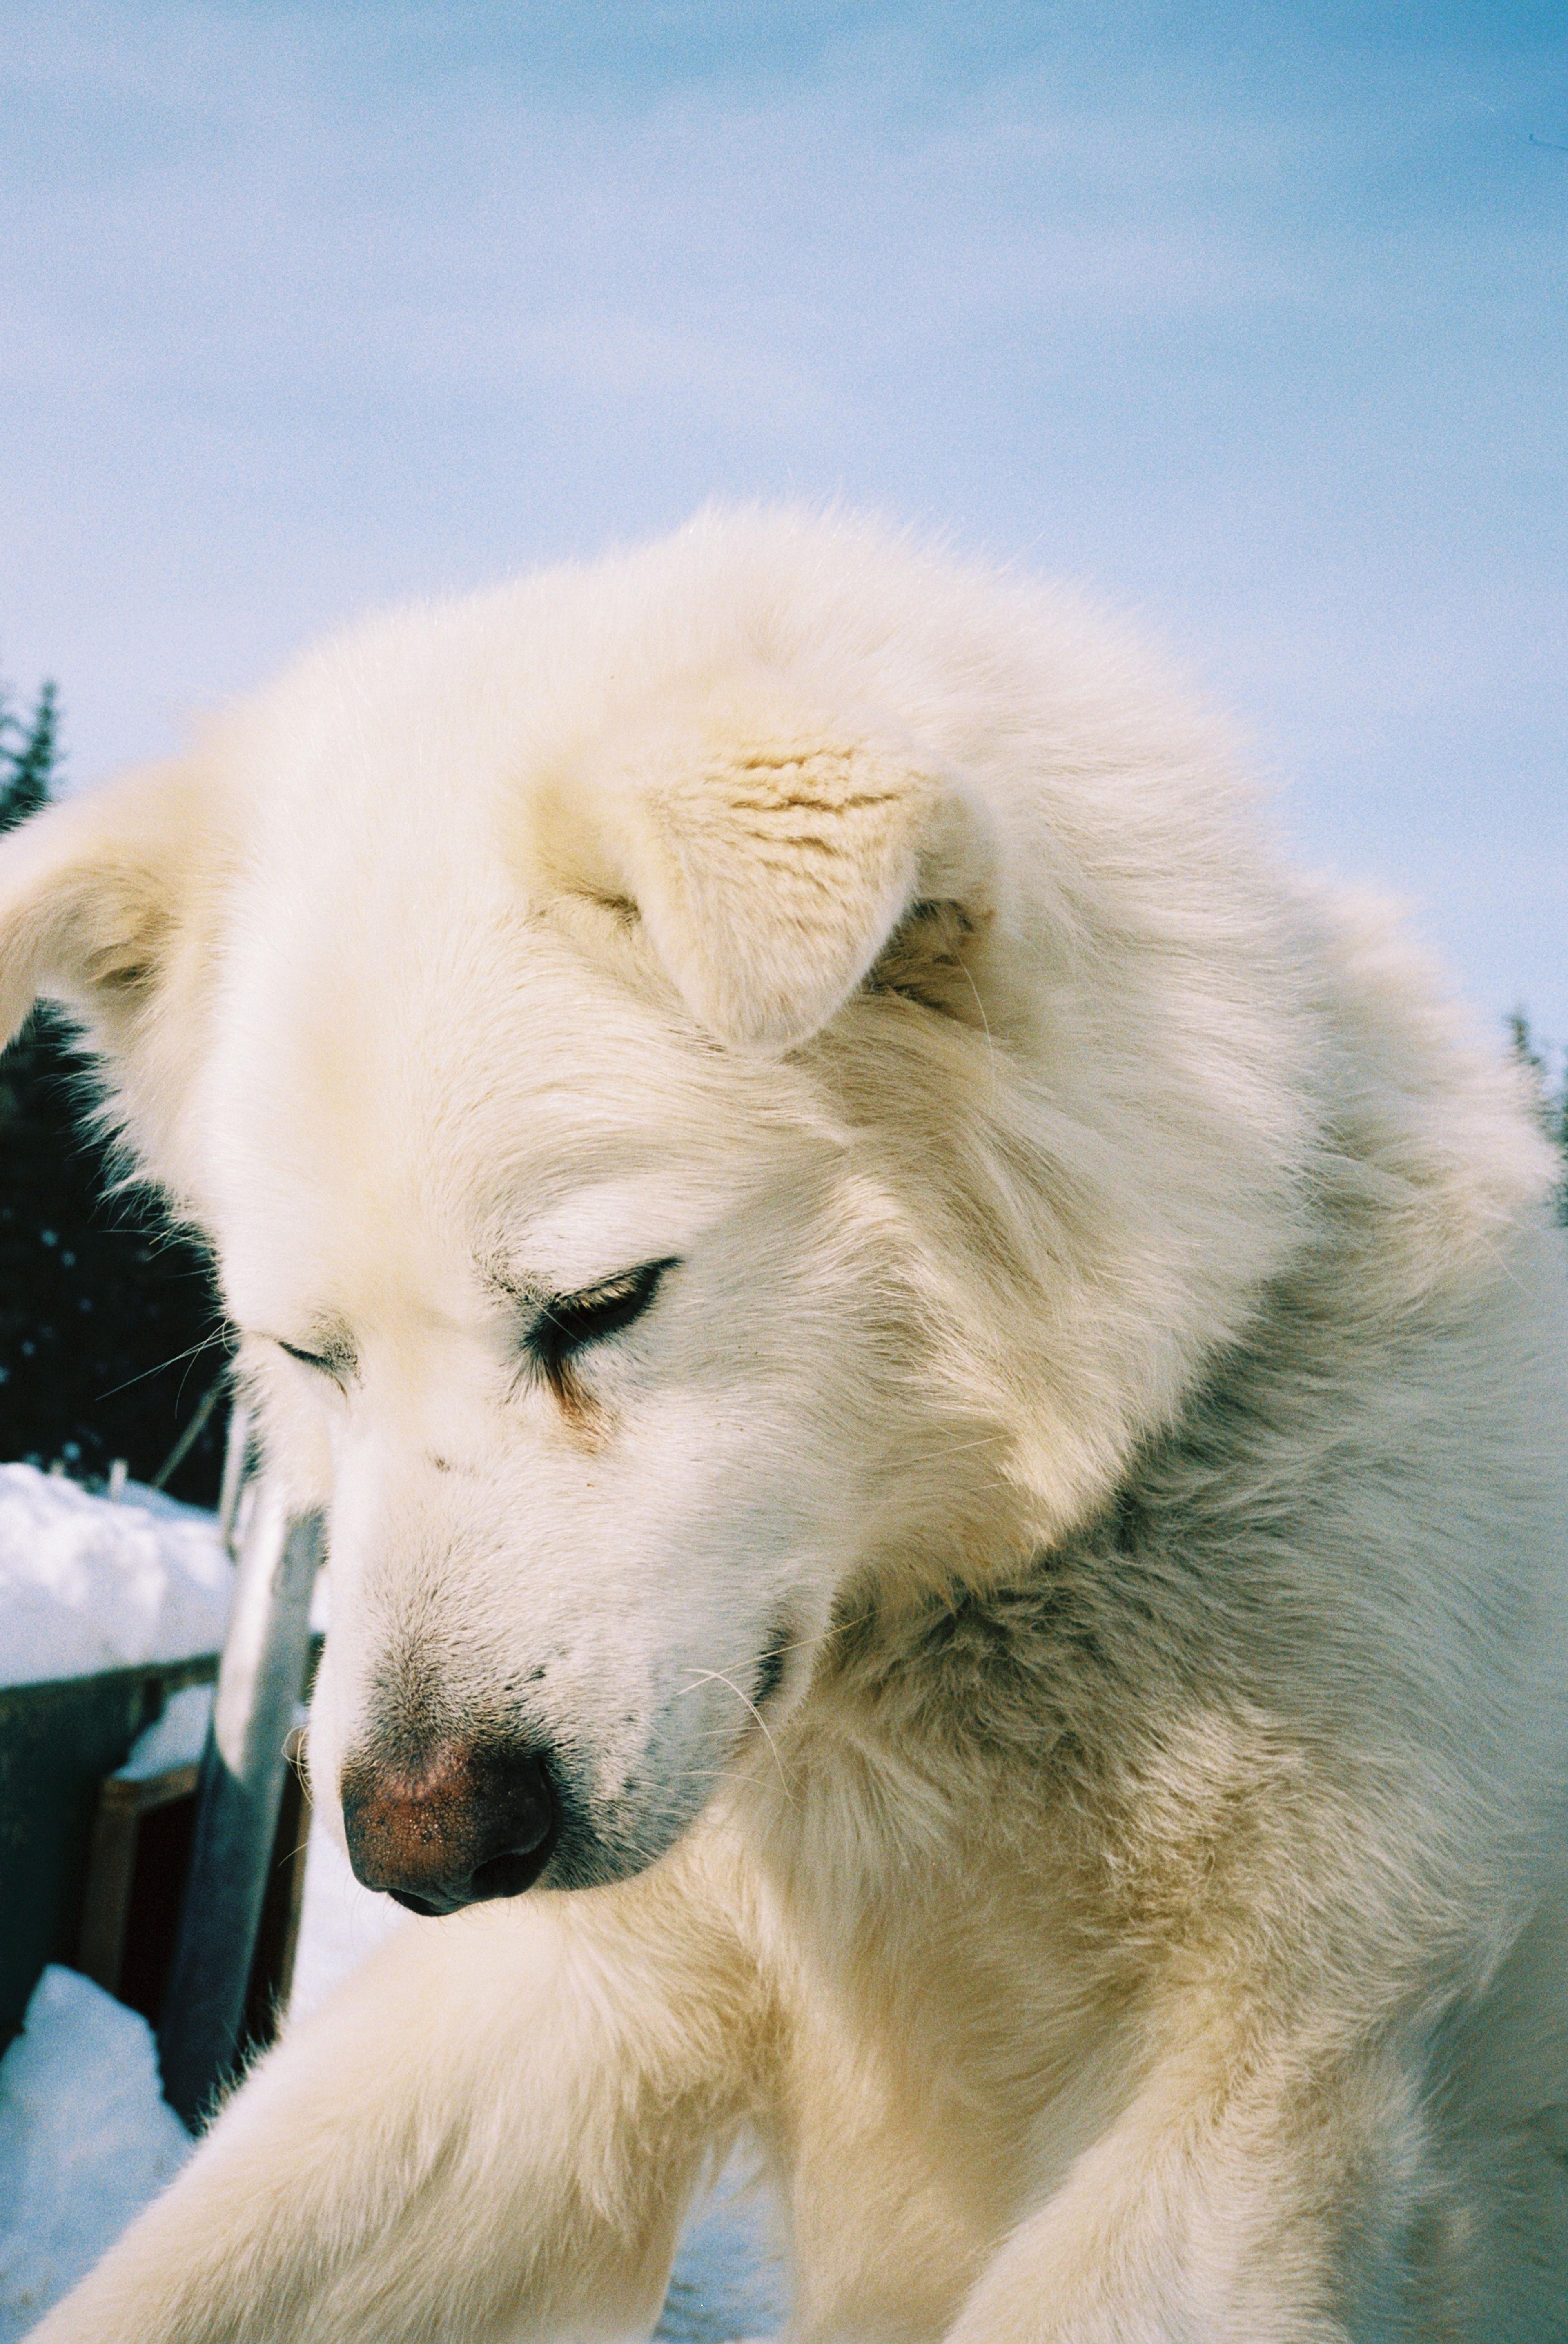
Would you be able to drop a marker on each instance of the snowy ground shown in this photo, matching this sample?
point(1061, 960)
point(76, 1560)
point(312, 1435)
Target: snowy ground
point(87, 1585)
point(85, 2139)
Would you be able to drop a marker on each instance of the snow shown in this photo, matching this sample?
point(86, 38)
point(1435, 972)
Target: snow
point(339, 1923)
point(729, 2279)
point(177, 1739)
point(85, 2141)
point(86, 1584)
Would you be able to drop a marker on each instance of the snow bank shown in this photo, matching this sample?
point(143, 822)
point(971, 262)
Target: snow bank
point(85, 1584)
point(85, 2141)
point(177, 1739)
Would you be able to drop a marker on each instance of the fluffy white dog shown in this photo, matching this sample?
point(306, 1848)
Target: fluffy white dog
point(942, 1402)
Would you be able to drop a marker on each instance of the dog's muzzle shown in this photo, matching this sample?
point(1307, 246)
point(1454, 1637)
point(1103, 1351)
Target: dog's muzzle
point(464, 1822)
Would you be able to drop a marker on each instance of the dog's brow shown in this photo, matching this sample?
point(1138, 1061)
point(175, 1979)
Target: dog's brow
point(515, 1290)
point(334, 1338)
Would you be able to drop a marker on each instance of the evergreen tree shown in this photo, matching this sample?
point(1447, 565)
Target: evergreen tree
point(27, 786)
point(112, 1343)
point(1552, 1106)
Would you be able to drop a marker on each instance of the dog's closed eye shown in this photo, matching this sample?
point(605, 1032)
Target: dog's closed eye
point(338, 1363)
point(568, 1323)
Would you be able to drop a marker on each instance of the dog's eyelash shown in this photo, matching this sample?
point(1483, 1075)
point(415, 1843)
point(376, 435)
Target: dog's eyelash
point(570, 1322)
point(324, 1363)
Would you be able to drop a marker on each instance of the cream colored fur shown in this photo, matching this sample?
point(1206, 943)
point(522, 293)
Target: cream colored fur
point(1116, 1361)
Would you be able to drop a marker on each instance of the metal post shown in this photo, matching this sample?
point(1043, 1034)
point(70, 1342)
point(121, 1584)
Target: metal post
point(260, 1682)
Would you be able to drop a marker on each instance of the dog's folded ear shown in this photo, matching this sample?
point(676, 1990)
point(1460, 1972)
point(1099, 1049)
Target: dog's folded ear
point(100, 907)
point(769, 859)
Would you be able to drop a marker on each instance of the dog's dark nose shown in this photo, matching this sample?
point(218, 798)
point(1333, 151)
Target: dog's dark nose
point(463, 1822)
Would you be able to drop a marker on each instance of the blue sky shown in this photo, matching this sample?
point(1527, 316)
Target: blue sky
point(1252, 316)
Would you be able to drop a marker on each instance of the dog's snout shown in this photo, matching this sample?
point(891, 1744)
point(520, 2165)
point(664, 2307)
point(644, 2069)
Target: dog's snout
point(465, 1821)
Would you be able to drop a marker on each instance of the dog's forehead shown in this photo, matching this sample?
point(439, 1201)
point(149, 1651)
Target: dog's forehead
point(422, 1047)
point(486, 1112)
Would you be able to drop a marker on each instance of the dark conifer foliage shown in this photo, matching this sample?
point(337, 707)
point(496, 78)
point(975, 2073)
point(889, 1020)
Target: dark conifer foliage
point(111, 1338)
point(26, 769)
point(1551, 1098)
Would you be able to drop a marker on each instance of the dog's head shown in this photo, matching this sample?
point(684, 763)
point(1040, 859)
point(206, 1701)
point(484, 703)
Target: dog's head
point(648, 1164)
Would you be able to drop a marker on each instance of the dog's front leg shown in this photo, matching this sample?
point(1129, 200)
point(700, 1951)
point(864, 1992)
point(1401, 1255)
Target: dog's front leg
point(1251, 2193)
point(489, 2133)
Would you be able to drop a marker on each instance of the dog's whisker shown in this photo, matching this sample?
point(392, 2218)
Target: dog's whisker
point(754, 1659)
point(717, 1676)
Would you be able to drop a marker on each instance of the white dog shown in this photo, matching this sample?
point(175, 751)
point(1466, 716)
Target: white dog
point(942, 1401)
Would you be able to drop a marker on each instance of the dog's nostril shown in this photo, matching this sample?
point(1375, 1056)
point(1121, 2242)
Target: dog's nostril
point(507, 1875)
point(468, 1822)
point(423, 1905)
point(523, 1811)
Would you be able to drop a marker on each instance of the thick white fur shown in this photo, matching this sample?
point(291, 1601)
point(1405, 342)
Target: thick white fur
point(1117, 1349)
